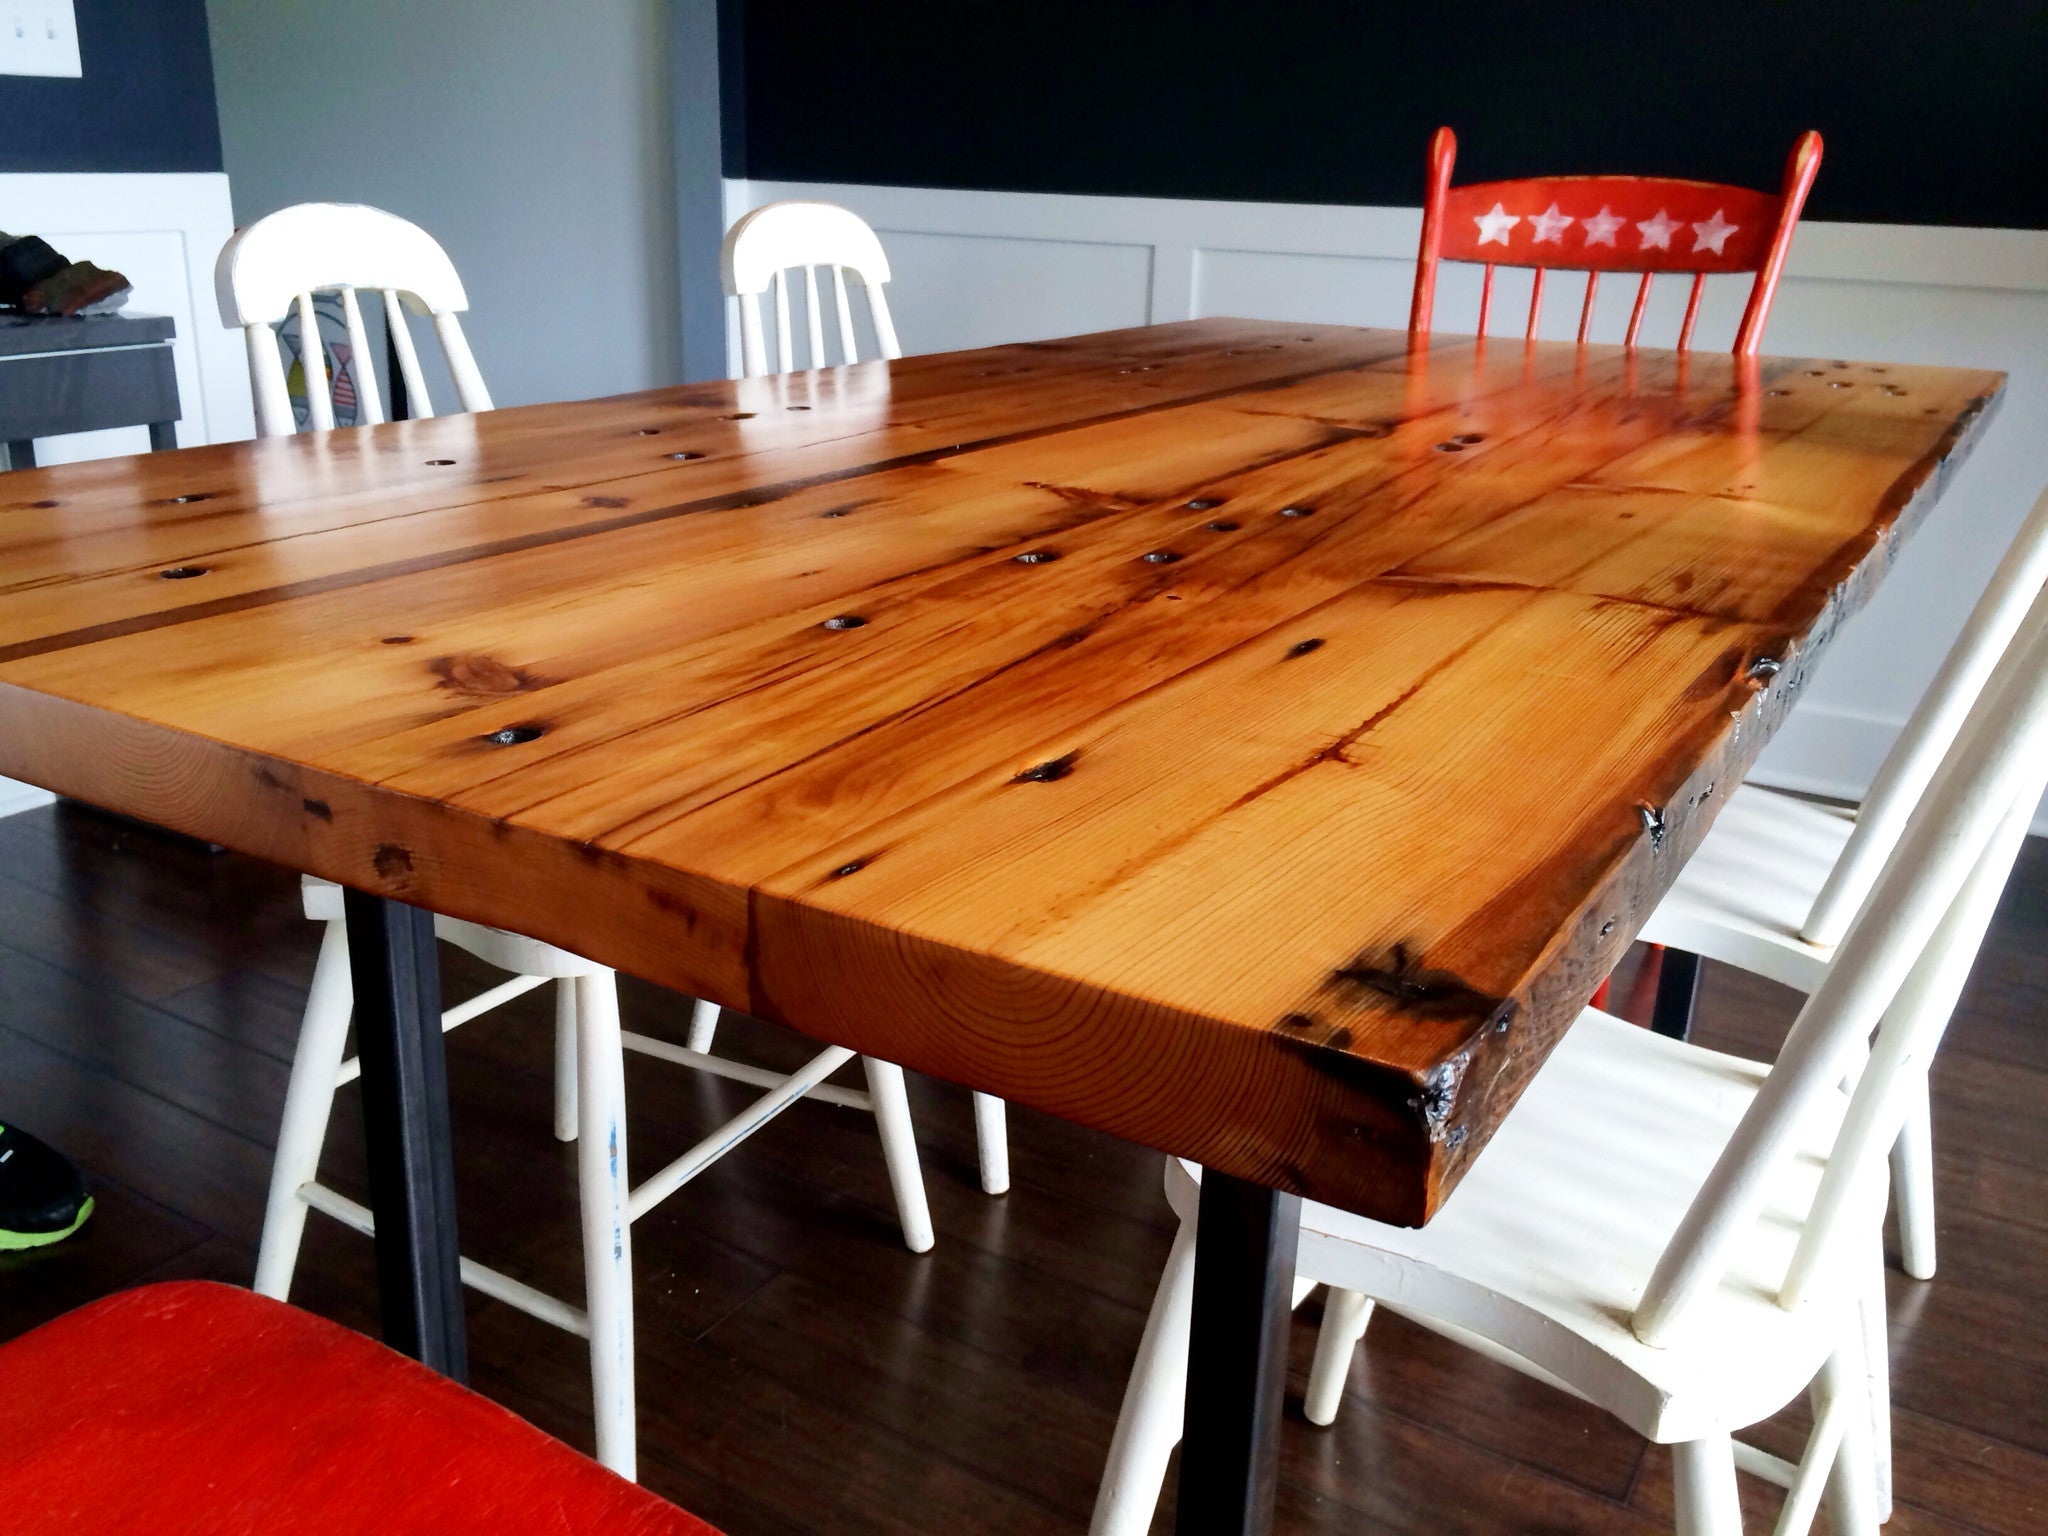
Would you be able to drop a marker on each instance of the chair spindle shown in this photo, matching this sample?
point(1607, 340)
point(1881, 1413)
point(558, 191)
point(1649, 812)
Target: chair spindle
point(313, 366)
point(370, 400)
point(418, 405)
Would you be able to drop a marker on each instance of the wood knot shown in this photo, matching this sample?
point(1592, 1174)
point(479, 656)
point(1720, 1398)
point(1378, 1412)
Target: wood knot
point(515, 735)
point(190, 497)
point(1049, 771)
point(605, 501)
point(183, 572)
point(1160, 557)
point(1303, 647)
point(318, 808)
point(844, 621)
point(440, 463)
point(396, 640)
point(1297, 510)
point(850, 867)
point(480, 676)
point(392, 860)
point(1223, 525)
point(1765, 666)
point(1205, 503)
point(684, 455)
point(1037, 557)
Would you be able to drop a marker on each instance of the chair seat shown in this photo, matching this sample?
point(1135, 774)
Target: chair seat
point(200, 1407)
point(1547, 1246)
point(493, 946)
point(1743, 897)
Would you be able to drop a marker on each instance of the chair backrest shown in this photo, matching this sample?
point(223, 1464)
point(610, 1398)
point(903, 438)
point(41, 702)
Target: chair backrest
point(286, 257)
point(762, 247)
point(1898, 972)
point(1642, 225)
point(1904, 775)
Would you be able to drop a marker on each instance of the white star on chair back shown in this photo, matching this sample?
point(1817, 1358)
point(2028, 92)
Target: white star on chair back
point(1657, 232)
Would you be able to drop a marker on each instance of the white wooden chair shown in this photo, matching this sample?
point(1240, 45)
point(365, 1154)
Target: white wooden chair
point(1777, 880)
point(1684, 1238)
point(283, 259)
point(761, 249)
point(276, 263)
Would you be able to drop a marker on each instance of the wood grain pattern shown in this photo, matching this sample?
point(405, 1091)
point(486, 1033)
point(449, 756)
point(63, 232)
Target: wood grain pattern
point(1252, 740)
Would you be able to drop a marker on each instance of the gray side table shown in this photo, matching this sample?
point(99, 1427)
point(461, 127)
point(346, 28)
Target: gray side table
point(82, 374)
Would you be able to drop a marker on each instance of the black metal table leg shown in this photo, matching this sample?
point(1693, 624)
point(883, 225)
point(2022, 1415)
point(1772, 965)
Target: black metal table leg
point(1678, 988)
point(163, 436)
point(1237, 1358)
point(405, 1126)
point(20, 453)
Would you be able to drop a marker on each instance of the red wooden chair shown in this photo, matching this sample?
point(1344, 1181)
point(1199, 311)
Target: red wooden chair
point(201, 1407)
point(1640, 225)
point(1643, 225)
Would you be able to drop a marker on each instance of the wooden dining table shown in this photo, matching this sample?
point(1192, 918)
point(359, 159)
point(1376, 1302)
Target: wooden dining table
point(1253, 740)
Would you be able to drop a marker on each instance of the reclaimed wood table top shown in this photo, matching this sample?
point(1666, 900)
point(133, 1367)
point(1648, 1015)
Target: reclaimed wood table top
point(1253, 740)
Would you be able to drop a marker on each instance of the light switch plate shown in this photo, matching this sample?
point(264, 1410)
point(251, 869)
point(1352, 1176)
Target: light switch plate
point(39, 37)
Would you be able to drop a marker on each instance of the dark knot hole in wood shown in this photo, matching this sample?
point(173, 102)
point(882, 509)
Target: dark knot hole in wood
point(1049, 771)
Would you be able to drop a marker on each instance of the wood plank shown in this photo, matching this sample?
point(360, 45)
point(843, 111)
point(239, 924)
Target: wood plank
point(1347, 710)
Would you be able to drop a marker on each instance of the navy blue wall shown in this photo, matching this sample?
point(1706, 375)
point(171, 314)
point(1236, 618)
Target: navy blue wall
point(1933, 114)
point(145, 102)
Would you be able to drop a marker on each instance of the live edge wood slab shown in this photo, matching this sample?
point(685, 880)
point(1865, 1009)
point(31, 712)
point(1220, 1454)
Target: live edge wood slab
point(1253, 740)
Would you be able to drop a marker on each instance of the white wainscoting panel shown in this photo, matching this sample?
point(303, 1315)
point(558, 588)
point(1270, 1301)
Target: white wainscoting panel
point(988, 288)
point(1899, 293)
point(162, 232)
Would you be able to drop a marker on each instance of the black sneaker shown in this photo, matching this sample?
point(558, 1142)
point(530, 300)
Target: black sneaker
point(42, 1198)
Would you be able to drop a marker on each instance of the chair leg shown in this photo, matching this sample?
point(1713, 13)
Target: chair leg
point(1148, 1425)
point(1345, 1314)
point(1877, 1375)
point(899, 1150)
point(565, 1059)
point(1703, 1483)
point(607, 1230)
point(703, 1025)
point(1851, 1496)
point(992, 1138)
point(1913, 1186)
point(308, 1100)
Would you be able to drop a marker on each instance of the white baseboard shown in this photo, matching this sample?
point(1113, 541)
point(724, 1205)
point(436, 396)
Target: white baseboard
point(15, 798)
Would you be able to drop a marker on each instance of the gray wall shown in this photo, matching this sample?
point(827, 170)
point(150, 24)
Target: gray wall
point(531, 138)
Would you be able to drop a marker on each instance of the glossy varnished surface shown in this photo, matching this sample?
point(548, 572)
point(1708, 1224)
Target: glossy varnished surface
point(1255, 741)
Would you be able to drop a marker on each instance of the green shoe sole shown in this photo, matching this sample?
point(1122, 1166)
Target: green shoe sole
point(13, 1242)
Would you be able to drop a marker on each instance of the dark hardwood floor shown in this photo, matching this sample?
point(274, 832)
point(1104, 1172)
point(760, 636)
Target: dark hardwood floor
point(799, 1370)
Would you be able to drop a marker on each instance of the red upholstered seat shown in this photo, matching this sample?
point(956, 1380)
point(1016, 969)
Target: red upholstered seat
point(199, 1407)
